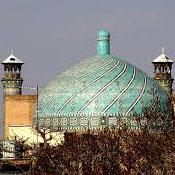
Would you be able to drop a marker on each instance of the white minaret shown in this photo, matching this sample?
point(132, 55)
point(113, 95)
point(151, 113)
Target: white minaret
point(12, 81)
point(162, 71)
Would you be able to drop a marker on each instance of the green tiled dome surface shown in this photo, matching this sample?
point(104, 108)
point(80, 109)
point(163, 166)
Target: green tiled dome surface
point(97, 87)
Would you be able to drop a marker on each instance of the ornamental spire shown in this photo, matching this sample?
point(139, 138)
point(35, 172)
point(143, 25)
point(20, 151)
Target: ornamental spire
point(12, 52)
point(103, 43)
point(163, 50)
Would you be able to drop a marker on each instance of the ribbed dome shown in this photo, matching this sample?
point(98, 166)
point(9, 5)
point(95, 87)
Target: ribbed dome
point(97, 89)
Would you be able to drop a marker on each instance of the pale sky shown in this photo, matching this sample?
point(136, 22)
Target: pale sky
point(52, 35)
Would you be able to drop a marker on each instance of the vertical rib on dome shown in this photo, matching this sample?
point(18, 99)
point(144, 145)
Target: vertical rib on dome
point(103, 43)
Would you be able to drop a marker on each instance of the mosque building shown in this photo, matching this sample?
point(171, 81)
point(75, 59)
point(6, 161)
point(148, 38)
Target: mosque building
point(101, 91)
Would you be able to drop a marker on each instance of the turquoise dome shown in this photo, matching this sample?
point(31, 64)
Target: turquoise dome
point(97, 92)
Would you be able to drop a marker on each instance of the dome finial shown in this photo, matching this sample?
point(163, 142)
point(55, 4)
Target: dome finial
point(103, 43)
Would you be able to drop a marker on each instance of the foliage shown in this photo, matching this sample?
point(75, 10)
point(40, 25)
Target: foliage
point(109, 152)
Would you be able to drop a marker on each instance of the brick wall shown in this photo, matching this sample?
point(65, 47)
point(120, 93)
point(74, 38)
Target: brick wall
point(18, 111)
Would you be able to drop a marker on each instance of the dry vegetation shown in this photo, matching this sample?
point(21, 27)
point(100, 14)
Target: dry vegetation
point(109, 152)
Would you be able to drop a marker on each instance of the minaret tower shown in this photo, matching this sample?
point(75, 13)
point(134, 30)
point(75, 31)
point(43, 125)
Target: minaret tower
point(12, 81)
point(162, 71)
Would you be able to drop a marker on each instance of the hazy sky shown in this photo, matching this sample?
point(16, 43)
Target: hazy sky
point(52, 35)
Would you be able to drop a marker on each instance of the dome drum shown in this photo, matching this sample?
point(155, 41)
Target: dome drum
point(63, 123)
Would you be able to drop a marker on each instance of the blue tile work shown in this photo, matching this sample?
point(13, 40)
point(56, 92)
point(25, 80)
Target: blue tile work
point(102, 90)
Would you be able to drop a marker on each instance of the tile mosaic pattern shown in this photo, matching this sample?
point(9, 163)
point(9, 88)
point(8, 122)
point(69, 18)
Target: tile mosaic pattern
point(97, 87)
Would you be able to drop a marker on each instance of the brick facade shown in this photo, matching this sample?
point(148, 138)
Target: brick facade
point(18, 111)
